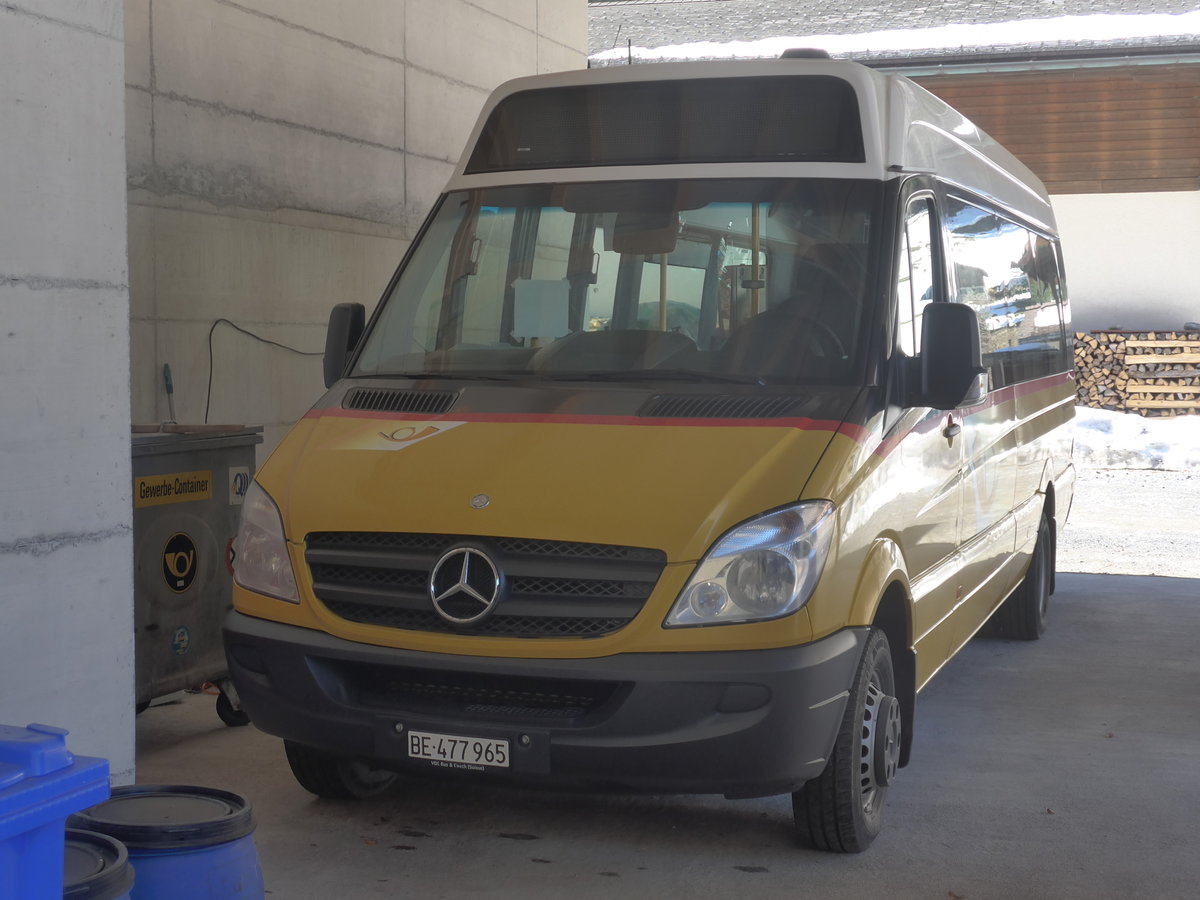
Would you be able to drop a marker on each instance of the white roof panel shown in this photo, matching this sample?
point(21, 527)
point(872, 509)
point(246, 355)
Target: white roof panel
point(905, 129)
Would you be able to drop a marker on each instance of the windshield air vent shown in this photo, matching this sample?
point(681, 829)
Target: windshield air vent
point(702, 406)
point(389, 400)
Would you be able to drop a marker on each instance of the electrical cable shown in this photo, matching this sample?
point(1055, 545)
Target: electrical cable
point(236, 327)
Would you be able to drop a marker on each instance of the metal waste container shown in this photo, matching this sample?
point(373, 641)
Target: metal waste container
point(188, 486)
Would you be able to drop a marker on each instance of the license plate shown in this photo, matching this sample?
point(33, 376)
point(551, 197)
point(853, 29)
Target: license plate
point(457, 751)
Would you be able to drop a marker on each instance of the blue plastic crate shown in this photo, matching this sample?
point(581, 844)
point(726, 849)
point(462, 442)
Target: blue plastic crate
point(41, 783)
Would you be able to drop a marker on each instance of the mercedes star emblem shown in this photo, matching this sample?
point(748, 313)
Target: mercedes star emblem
point(465, 586)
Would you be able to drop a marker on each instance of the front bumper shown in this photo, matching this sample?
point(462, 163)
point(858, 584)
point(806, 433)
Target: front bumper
point(739, 723)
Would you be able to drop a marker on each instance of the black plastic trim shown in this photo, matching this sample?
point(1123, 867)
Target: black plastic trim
point(739, 723)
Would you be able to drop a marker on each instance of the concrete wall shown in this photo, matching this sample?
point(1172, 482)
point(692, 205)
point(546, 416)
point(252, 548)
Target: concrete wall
point(281, 155)
point(1132, 259)
point(66, 577)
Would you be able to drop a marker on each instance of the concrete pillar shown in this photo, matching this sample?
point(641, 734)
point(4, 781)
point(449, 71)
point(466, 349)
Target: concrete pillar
point(66, 582)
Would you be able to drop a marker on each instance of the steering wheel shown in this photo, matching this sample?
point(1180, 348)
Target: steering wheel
point(783, 342)
point(822, 336)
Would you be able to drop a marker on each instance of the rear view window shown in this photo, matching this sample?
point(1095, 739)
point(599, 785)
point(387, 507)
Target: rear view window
point(792, 118)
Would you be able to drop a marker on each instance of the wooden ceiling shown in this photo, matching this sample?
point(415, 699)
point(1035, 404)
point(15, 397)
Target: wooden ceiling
point(1088, 131)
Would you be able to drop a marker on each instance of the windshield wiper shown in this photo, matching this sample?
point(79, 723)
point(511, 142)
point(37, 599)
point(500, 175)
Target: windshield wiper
point(655, 375)
point(606, 376)
point(457, 376)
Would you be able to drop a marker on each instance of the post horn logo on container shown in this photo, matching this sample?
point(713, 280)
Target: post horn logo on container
point(179, 562)
point(465, 586)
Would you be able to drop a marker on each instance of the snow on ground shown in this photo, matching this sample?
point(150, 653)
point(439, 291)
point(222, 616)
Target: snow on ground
point(1137, 497)
point(1106, 439)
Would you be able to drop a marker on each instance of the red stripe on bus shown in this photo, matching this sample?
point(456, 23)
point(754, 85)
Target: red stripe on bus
point(1005, 395)
point(854, 432)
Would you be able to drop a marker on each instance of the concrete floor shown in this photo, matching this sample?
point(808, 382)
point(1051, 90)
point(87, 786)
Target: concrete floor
point(1065, 768)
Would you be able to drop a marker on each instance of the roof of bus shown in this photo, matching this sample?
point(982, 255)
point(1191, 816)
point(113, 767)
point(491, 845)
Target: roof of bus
point(905, 128)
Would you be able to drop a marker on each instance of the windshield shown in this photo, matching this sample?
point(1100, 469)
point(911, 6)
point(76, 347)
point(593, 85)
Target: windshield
point(732, 280)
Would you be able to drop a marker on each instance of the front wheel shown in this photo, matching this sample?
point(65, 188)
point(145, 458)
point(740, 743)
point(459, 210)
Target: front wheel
point(842, 808)
point(335, 777)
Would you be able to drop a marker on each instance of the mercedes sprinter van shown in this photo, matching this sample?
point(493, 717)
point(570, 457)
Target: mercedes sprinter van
point(685, 446)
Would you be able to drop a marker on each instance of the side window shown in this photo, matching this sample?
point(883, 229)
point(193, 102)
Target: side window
point(1067, 359)
point(1010, 275)
point(1036, 347)
point(915, 273)
point(480, 324)
point(682, 274)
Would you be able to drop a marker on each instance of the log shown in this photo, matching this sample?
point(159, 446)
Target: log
point(1136, 403)
point(1175, 359)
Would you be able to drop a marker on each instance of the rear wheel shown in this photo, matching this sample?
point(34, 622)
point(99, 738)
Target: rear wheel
point(335, 777)
point(1022, 617)
point(842, 808)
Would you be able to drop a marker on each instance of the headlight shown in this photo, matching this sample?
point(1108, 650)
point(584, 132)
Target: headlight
point(261, 562)
point(763, 569)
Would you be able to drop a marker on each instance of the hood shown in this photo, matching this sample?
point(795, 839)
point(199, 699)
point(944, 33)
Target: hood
point(668, 484)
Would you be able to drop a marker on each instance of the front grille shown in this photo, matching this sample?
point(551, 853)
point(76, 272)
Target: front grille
point(496, 626)
point(555, 588)
point(465, 694)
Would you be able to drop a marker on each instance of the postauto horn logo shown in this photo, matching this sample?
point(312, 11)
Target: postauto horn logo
point(179, 562)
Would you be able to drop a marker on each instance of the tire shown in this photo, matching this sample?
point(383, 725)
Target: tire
point(334, 777)
point(841, 810)
point(229, 714)
point(1022, 617)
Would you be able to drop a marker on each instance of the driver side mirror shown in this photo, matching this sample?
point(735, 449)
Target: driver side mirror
point(346, 324)
point(949, 370)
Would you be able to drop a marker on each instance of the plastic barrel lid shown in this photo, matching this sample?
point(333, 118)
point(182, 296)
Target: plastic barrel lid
point(95, 867)
point(155, 816)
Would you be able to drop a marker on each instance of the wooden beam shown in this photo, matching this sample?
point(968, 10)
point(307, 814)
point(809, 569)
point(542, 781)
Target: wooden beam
point(1166, 359)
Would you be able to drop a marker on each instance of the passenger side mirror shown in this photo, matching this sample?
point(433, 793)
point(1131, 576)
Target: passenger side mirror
point(346, 324)
point(949, 370)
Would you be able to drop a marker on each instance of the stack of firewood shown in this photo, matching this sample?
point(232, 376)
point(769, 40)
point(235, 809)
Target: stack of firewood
point(1151, 373)
point(1100, 370)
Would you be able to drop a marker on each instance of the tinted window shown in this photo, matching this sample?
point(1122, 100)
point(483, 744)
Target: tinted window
point(915, 275)
point(1010, 275)
point(808, 118)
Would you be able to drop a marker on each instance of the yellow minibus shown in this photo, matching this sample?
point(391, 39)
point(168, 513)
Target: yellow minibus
point(713, 408)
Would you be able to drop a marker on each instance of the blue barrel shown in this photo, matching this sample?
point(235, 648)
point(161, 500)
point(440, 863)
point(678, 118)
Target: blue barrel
point(185, 843)
point(95, 867)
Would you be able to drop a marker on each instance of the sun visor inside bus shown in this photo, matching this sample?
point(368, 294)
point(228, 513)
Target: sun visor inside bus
point(644, 233)
point(777, 118)
point(625, 196)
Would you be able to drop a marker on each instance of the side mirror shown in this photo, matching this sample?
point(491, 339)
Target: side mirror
point(346, 324)
point(950, 372)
